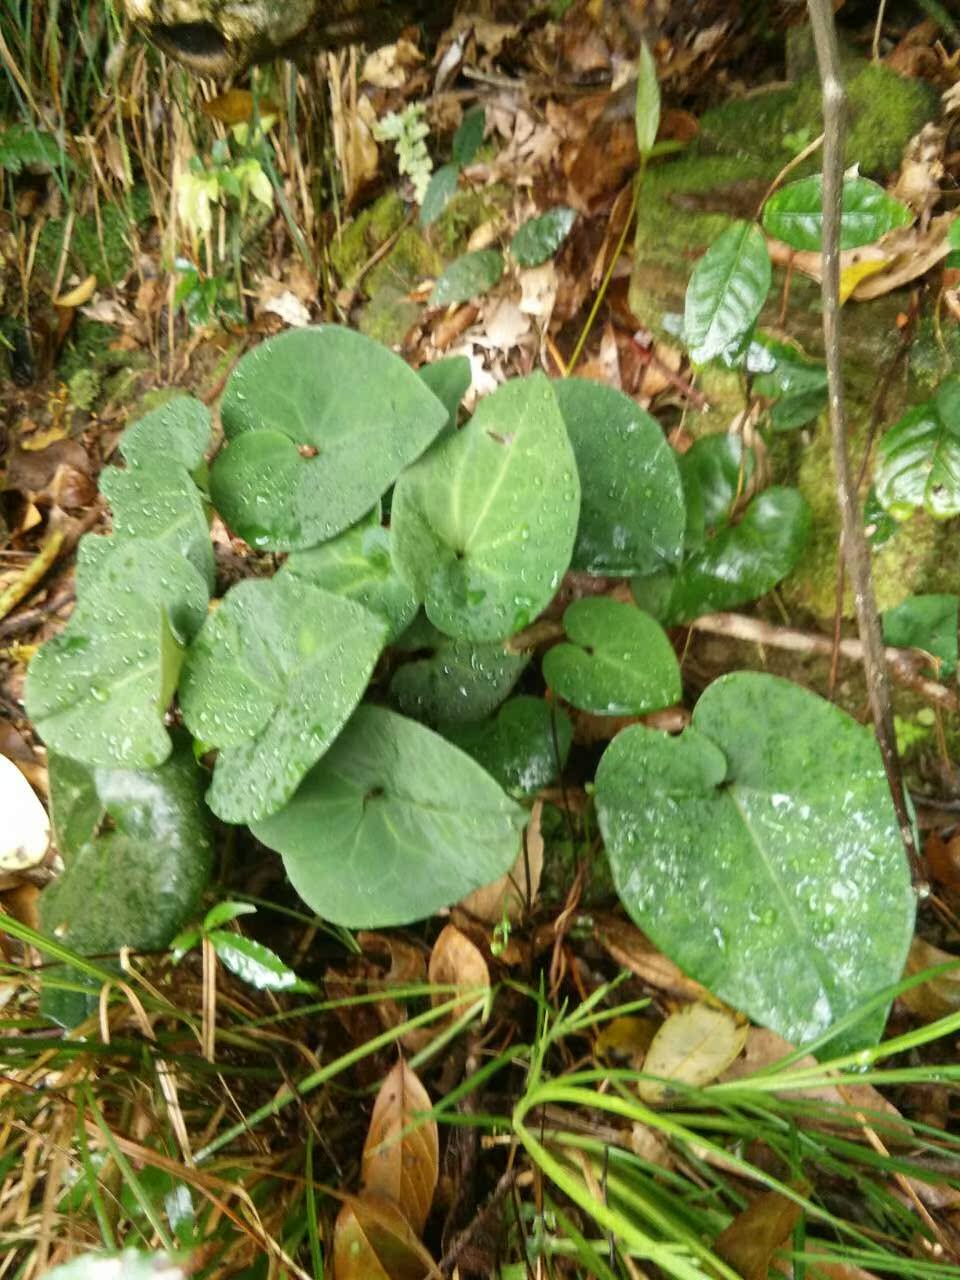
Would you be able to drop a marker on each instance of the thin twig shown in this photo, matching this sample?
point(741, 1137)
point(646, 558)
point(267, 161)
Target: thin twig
point(901, 663)
point(855, 549)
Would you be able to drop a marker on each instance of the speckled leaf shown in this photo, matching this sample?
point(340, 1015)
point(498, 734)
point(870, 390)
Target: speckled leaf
point(452, 680)
point(796, 384)
point(770, 819)
point(159, 502)
point(252, 962)
point(357, 564)
point(794, 214)
point(469, 136)
point(135, 884)
point(99, 690)
point(618, 661)
point(392, 824)
point(178, 431)
point(524, 746)
point(631, 504)
point(361, 411)
point(926, 622)
point(469, 275)
point(442, 185)
point(726, 291)
point(540, 238)
point(919, 458)
point(484, 525)
point(270, 680)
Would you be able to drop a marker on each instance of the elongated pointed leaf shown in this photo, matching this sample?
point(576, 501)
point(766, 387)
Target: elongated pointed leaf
point(540, 238)
point(919, 458)
point(618, 660)
point(761, 852)
point(631, 506)
point(357, 565)
point(392, 824)
point(794, 214)
point(401, 1155)
point(271, 679)
point(484, 525)
point(469, 136)
point(321, 421)
point(647, 107)
point(467, 276)
point(440, 188)
point(727, 289)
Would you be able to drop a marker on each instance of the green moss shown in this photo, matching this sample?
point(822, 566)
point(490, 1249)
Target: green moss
point(464, 212)
point(85, 348)
point(83, 388)
point(753, 126)
point(366, 233)
point(409, 262)
point(934, 353)
point(102, 249)
point(388, 316)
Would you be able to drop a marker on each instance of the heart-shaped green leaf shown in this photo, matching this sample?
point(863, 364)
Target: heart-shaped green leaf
point(761, 852)
point(99, 690)
point(524, 746)
point(393, 824)
point(138, 566)
point(726, 291)
point(178, 431)
point(919, 458)
point(452, 680)
point(135, 884)
point(467, 276)
point(357, 565)
point(449, 380)
point(783, 374)
point(484, 524)
point(794, 214)
point(742, 562)
point(270, 680)
point(619, 662)
point(715, 471)
point(159, 502)
point(347, 400)
point(540, 238)
point(926, 622)
point(631, 504)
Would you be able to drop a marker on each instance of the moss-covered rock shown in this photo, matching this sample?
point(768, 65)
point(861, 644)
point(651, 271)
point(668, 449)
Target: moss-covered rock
point(368, 232)
point(463, 213)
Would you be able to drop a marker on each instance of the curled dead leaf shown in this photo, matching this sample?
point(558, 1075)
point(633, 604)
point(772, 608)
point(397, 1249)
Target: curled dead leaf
point(401, 1156)
point(939, 996)
point(456, 962)
point(372, 1240)
point(516, 891)
point(755, 1235)
point(78, 295)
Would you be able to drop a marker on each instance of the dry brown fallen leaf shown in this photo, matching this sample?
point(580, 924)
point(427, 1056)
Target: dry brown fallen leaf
point(693, 1047)
point(516, 891)
point(754, 1236)
point(372, 1240)
point(455, 961)
point(401, 1156)
point(938, 997)
point(634, 951)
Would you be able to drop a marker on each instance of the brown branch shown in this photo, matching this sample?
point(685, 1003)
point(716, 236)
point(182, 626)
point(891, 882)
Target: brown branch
point(901, 663)
point(855, 551)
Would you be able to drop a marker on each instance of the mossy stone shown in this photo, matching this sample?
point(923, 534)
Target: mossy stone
point(463, 213)
point(370, 229)
point(388, 316)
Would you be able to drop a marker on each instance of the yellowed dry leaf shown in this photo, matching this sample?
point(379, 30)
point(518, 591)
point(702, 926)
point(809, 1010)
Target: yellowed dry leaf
point(515, 892)
point(79, 294)
point(372, 1240)
point(692, 1047)
point(456, 961)
point(401, 1156)
point(627, 1037)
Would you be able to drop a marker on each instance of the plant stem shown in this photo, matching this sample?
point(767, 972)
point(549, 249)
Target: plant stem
point(855, 551)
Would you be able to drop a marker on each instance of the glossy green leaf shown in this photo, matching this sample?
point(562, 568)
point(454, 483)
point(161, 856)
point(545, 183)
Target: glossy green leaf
point(270, 680)
point(524, 746)
point(918, 463)
point(138, 881)
point(76, 809)
point(178, 431)
point(467, 276)
point(617, 662)
point(141, 567)
point(647, 106)
point(449, 380)
point(632, 511)
point(760, 851)
point(356, 406)
point(715, 471)
point(440, 189)
point(742, 562)
point(469, 136)
point(540, 238)
point(726, 291)
point(927, 622)
point(357, 564)
point(99, 690)
point(796, 385)
point(953, 235)
point(159, 502)
point(452, 680)
point(794, 214)
point(484, 524)
point(252, 962)
point(393, 824)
